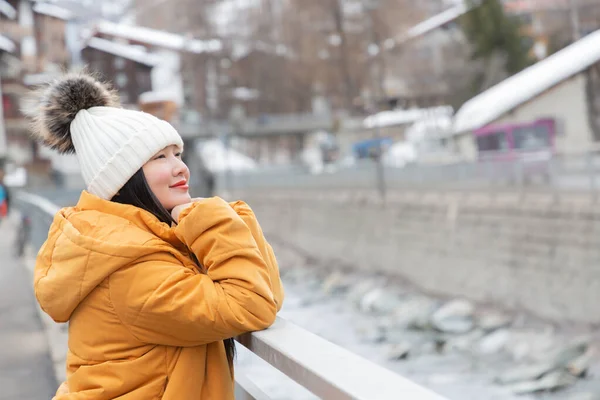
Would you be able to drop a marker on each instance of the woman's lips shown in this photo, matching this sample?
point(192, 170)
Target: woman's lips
point(180, 185)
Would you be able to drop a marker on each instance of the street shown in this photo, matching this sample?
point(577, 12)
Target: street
point(25, 365)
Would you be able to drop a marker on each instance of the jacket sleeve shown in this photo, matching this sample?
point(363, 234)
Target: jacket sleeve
point(162, 302)
point(246, 213)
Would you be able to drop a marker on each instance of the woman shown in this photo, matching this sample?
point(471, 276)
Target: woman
point(154, 284)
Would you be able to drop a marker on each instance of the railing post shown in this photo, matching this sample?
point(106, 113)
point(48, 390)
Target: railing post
point(592, 175)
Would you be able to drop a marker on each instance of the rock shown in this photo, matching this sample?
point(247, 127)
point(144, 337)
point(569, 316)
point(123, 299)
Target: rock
point(584, 396)
point(494, 342)
point(578, 367)
point(380, 301)
point(492, 321)
point(454, 317)
point(526, 344)
point(357, 291)
point(454, 308)
point(336, 282)
point(455, 325)
point(415, 313)
point(552, 381)
point(464, 342)
point(372, 334)
point(525, 373)
point(399, 351)
point(572, 352)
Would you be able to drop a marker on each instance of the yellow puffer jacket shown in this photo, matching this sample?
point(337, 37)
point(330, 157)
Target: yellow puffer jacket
point(144, 323)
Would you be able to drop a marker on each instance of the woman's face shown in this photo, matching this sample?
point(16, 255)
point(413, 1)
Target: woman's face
point(168, 177)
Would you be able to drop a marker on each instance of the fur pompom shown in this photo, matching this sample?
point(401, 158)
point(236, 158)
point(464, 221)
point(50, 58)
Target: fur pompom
point(53, 107)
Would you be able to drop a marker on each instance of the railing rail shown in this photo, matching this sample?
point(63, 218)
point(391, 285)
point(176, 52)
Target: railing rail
point(325, 369)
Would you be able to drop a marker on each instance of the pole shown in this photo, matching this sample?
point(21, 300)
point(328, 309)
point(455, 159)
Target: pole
point(3, 141)
point(376, 95)
point(575, 26)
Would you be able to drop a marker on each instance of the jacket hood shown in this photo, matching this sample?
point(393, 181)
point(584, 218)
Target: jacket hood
point(86, 244)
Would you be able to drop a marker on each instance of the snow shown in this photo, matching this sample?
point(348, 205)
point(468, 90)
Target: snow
point(126, 51)
point(217, 158)
point(403, 117)
point(158, 96)
point(166, 77)
point(16, 178)
point(436, 126)
point(399, 154)
point(8, 10)
point(52, 10)
point(527, 84)
point(158, 38)
point(7, 45)
point(437, 20)
point(39, 79)
point(429, 24)
point(244, 93)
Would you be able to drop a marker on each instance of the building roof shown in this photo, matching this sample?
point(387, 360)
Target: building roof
point(528, 84)
point(129, 52)
point(158, 38)
point(402, 117)
point(7, 45)
point(53, 10)
point(7, 9)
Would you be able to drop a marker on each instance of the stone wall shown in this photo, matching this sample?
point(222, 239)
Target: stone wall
point(530, 253)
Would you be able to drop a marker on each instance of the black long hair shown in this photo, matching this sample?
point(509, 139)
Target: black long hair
point(137, 192)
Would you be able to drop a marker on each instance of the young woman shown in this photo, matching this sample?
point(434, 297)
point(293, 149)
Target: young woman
point(154, 284)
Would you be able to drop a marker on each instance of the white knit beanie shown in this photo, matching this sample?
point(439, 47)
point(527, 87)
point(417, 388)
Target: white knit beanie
point(79, 114)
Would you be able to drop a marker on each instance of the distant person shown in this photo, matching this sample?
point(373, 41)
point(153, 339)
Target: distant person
point(155, 285)
point(4, 197)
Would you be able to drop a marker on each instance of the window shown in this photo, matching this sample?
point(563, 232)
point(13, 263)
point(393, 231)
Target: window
point(495, 141)
point(119, 63)
point(532, 137)
point(121, 80)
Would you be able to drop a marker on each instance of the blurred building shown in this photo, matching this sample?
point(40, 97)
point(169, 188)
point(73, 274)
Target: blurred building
point(33, 49)
point(563, 89)
point(128, 67)
point(553, 24)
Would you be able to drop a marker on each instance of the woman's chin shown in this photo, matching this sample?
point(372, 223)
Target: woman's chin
point(179, 200)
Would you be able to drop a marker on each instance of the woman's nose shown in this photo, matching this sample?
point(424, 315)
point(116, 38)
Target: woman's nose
point(180, 168)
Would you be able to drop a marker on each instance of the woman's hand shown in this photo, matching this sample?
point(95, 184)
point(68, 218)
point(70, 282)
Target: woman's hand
point(175, 212)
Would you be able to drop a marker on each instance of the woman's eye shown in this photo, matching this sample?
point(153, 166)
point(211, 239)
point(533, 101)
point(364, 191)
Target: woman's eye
point(178, 155)
point(160, 156)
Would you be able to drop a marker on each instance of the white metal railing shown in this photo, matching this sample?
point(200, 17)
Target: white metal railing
point(323, 368)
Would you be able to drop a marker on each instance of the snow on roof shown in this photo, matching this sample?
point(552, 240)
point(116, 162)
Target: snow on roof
point(126, 51)
point(158, 96)
point(429, 25)
point(437, 21)
point(527, 84)
point(53, 11)
point(6, 44)
point(403, 117)
point(7, 9)
point(217, 158)
point(158, 38)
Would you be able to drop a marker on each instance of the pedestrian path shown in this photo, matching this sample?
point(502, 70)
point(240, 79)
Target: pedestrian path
point(25, 365)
